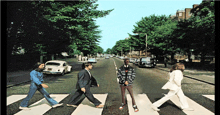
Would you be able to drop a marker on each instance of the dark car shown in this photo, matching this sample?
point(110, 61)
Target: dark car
point(147, 62)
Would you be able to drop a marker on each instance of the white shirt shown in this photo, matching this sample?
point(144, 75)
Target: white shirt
point(125, 66)
point(88, 72)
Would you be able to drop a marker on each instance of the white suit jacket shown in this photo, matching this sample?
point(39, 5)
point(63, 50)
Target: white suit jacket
point(176, 76)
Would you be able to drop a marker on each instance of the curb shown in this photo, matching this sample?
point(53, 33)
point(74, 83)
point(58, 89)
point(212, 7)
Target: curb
point(8, 86)
point(190, 77)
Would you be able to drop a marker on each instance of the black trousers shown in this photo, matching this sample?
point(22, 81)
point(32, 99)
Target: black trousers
point(75, 98)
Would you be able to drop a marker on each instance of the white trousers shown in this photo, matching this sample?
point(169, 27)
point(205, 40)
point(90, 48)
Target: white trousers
point(179, 93)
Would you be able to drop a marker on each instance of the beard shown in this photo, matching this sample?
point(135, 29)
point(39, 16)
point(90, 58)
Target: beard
point(40, 69)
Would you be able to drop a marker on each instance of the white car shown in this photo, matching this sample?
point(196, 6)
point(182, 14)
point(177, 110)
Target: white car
point(92, 60)
point(57, 67)
point(121, 57)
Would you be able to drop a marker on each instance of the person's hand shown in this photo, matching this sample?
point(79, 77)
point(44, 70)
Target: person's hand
point(44, 85)
point(126, 82)
point(97, 85)
point(83, 89)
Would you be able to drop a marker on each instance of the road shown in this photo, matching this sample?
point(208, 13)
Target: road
point(146, 87)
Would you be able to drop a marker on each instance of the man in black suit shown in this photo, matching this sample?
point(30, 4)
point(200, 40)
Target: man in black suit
point(85, 81)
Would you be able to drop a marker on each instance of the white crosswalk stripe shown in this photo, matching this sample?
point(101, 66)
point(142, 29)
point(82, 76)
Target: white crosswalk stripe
point(198, 109)
point(143, 103)
point(42, 106)
point(212, 97)
point(87, 108)
point(13, 98)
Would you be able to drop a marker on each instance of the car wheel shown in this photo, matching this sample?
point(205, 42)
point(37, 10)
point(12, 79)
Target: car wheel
point(63, 73)
point(71, 70)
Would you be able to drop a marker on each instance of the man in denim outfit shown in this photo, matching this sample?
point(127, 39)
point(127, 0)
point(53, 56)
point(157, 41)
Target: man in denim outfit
point(36, 84)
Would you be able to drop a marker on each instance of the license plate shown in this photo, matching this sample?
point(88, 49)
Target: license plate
point(49, 68)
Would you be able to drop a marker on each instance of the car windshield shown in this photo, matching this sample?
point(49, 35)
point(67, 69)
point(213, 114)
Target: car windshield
point(145, 59)
point(91, 59)
point(53, 63)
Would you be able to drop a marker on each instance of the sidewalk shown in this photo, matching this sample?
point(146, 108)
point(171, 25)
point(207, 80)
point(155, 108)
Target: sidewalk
point(206, 76)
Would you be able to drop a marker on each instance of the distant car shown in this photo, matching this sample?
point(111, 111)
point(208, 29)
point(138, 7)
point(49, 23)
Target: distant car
point(137, 60)
point(121, 57)
point(106, 57)
point(57, 67)
point(92, 60)
point(147, 62)
point(131, 60)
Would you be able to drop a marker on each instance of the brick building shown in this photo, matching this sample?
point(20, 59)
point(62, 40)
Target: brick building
point(184, 14)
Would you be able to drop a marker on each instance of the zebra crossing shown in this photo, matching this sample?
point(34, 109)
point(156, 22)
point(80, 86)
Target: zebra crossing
point(142, 100)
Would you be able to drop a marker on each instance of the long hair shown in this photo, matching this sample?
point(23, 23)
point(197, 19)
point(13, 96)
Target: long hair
point(36, 66)
point(177, 66)
point(84, 65)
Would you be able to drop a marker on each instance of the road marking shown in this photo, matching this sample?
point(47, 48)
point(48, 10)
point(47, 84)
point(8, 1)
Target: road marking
point(87, 108)
point(143, 103)
point(212, 97)
point(42, 106)
point(116, 71)
point(13, 98)
point(198, 109)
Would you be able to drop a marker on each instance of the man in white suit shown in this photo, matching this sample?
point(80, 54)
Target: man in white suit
point(174, 85)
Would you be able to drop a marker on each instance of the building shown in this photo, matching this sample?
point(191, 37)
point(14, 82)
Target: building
point(184, 14)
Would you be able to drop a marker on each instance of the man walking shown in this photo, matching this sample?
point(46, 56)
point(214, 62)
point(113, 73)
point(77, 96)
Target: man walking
point(85, 81)
point(37, 84)
point(126, 75)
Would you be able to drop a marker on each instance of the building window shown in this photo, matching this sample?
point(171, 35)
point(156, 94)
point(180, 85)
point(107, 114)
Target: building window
point(180, 14)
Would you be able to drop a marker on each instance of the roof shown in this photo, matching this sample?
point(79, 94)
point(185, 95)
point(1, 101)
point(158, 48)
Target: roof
point(59, 61)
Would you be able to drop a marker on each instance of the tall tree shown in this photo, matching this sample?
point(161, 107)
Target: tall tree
point(55, 25)
point(121, 46)
point(146, 26)
point(197, 34)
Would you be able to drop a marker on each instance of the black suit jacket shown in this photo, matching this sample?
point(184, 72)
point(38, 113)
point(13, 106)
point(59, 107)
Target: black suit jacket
point(84, 80)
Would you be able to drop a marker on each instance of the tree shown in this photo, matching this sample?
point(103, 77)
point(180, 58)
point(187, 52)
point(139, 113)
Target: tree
point(108, 51)
point(146, 26)
point(204, 23)
point(197, 34)
point(163, 42)
point(121, 46)
point(54, 25)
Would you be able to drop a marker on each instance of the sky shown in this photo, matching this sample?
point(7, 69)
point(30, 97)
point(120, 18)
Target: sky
point(127, 13)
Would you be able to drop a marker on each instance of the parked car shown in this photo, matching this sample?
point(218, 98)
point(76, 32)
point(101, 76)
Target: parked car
point(147, 62)
point(57, 67)
point(92, 60)
point(131, 60)
point(121, 57)
point(137, 60)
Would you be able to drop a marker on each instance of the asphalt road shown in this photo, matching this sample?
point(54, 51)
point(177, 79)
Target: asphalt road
point(148, 81)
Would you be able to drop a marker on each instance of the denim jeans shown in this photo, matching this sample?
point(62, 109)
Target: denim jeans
point(33, 89)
